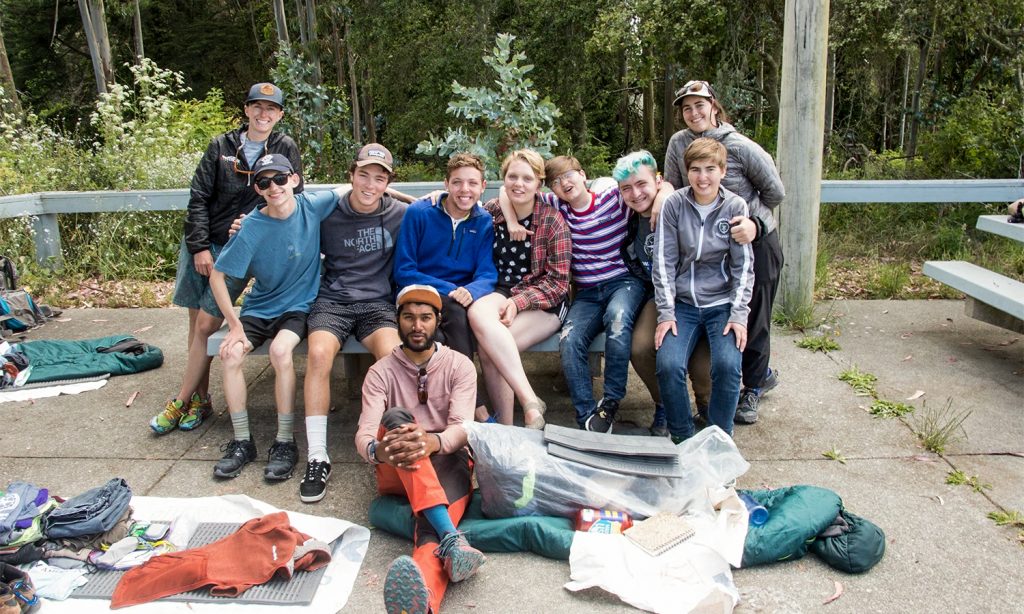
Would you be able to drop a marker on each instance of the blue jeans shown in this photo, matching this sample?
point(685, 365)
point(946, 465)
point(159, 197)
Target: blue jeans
point(611, 307)
point(726, 367)
point(94, 511)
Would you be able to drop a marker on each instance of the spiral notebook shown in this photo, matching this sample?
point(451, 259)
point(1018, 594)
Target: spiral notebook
point(660, 533)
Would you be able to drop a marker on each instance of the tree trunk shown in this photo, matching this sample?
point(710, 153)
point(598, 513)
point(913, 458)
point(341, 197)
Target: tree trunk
point(313, 45)
point(281, 21)
point(357, 131)
point(339, 61)
point(668, 125)
point(94, 51)
point(140, 51)
point(7, 81)
point(624, 105)
point(649, 113)
point(300, 10)
point(903, 104)
point(99, 25)
point(915, 105)
point(368, 120)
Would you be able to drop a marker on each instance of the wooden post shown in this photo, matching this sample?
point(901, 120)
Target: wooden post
point(801, 135)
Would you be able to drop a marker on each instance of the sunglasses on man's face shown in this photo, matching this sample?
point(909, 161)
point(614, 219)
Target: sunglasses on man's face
point(421, 385)
point(263, 183)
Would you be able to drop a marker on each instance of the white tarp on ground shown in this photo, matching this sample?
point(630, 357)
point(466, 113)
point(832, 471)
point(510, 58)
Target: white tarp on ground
point(187, 513)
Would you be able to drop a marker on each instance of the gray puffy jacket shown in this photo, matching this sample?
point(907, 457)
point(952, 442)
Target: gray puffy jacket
point(750, 172)
point(697, 261)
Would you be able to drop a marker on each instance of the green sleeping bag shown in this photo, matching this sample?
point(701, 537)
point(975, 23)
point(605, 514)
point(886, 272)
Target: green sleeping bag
point(547, 536)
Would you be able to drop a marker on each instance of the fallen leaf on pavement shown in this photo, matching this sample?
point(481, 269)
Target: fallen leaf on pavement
point(951, 359)
point(1011, 341)
point(99, 320)
point(917, 395)
point(906, 335)
point(131, 398)
point(63, 319)
point(142, 330)
point(907, 357)
point(923, 459)
point(835, 595)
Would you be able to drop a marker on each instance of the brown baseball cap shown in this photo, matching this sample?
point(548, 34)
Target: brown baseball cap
point(375, 153)
point(419, 293)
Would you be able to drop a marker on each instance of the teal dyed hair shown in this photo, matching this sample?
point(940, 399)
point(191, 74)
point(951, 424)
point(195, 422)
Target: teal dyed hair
point(628, 165)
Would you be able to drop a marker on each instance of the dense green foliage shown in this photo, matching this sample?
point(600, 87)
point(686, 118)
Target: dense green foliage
point(916, 89)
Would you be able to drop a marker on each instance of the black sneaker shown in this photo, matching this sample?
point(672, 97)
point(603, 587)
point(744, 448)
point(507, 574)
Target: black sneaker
point(283, 456)
point(314, 483)
point(701, 417)
point(659, 427)
point(746, 410)
point(771, 381)
point(601, 420)
point(237, 454)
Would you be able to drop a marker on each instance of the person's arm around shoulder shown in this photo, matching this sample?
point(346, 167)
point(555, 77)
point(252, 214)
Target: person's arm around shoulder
point(516, 231)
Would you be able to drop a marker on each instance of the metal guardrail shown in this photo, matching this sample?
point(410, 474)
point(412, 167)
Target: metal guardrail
point(44, 207)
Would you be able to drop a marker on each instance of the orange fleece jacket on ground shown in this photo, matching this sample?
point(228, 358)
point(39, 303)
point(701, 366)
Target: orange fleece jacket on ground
point(252, 555)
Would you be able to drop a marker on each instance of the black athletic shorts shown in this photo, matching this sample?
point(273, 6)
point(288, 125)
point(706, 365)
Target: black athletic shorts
point(258, 330)
point(343, 319)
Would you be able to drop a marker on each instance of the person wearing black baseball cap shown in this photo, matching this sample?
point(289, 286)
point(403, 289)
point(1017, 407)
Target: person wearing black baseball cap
point(751, 174)
point(221, 191)
point(279, 246)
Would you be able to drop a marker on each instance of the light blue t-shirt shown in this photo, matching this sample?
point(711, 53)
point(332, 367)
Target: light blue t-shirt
point(282, 256)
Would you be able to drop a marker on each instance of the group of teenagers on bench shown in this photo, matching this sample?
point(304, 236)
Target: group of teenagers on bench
point(679, 272)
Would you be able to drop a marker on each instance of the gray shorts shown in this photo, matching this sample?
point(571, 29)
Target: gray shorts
point(343, 319)
point(192, 290)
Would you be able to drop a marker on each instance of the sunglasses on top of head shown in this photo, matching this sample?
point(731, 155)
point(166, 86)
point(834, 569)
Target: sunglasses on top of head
point(263, 183)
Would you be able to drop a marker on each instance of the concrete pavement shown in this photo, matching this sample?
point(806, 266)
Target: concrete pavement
point(943, 553)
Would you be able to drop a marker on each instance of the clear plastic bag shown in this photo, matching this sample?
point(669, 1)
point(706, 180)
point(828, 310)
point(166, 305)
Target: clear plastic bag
point(517, 476)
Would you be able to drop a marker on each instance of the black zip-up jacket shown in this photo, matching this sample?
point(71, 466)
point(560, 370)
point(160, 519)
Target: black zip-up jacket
point(220, 194)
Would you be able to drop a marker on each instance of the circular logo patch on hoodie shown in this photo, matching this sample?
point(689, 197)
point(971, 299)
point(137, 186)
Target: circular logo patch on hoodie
point(722, 229)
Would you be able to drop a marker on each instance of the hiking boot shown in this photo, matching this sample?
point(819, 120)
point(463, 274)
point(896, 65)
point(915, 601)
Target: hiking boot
point(168, 420)
point(237, 454)
point(602, 419)
point(314, 483)
point(770, 381)
point(461, 560)
point(199, 409)
point(405, 590)
point(659, 427)
point(746, 410)
point(17, 594)
point(282, 458)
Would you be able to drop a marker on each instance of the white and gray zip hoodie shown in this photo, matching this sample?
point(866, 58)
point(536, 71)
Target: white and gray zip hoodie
point(697, 261)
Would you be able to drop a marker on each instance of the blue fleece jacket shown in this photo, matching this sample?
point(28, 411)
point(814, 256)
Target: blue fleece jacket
point(429, 252)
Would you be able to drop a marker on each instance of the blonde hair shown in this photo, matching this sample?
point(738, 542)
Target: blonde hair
point(529, 156)
point(705, 148)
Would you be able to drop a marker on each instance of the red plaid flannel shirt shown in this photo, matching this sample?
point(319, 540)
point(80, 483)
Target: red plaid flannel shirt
point(547, 283)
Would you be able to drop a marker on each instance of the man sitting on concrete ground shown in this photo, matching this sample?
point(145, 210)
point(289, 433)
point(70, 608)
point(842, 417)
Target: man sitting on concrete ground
point(448, 246)
point(356, 295)
point(414, 404)
point(279, 247)
point(221, 191)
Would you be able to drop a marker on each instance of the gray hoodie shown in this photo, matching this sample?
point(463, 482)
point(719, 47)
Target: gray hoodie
point(697, 261)
point(359, 252)
point(750, 172)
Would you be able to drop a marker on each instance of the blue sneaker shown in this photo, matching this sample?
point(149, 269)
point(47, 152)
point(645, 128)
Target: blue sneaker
point(405, 590)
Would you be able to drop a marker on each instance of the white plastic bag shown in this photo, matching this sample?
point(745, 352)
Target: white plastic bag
point(517, 477)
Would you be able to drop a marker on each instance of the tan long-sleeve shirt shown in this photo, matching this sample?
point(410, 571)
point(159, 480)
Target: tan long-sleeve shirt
point(451, 396)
